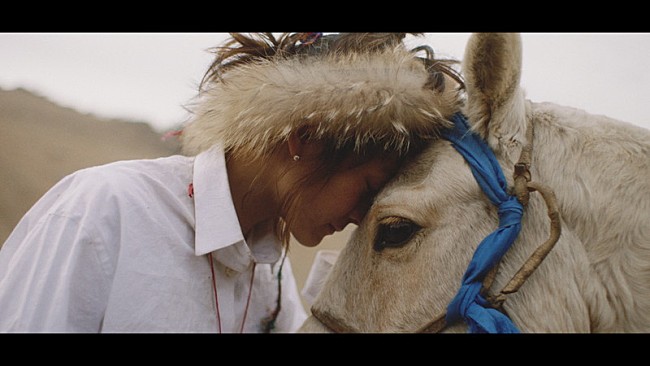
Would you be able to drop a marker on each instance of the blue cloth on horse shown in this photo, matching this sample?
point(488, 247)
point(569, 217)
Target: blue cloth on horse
point(468, 303)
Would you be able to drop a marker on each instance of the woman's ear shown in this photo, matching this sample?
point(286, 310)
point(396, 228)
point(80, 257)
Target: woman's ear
point(294, 143)
point(297, 141)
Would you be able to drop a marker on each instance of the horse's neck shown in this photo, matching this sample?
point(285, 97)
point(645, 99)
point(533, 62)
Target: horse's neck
point(600, 171)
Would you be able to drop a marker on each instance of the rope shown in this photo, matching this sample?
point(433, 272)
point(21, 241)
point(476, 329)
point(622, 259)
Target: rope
point(469, 304)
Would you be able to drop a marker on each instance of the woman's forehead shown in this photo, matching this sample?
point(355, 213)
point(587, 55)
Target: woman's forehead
point(375, 157)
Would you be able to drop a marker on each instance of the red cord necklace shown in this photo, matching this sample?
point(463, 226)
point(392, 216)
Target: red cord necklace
point(216, 295)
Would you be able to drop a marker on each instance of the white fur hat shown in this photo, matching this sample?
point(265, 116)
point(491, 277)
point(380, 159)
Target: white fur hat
point(383, 96)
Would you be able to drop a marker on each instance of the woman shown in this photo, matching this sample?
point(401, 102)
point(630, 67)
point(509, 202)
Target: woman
point(291, 136)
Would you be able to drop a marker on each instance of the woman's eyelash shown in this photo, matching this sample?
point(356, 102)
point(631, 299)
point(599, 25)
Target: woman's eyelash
point(369, 188)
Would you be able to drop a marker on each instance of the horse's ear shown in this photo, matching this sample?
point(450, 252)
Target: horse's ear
point(492, 70)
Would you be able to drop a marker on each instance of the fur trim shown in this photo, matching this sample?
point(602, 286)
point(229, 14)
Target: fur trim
point(378, 96)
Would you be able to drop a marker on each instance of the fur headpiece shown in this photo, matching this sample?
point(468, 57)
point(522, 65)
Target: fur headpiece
point(380, 95)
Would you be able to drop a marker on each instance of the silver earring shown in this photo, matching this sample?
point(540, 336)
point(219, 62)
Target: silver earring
point(296, 157)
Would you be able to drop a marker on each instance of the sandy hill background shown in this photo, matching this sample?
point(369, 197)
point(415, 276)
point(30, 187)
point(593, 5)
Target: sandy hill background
point(42, 142)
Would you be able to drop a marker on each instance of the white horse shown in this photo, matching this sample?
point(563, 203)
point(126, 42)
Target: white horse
point(404, 263)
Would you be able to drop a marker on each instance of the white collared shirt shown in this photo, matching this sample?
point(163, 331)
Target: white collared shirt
point(123, 248)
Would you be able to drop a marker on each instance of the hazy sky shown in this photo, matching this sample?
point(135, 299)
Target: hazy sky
point(150, 76)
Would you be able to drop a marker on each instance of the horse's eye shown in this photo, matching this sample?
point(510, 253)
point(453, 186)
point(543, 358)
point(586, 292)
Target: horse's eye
point(394, 232)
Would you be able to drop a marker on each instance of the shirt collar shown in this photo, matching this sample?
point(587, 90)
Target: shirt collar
point(217, 227)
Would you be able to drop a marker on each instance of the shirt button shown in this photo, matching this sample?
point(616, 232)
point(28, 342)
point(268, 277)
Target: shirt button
point(230, 272)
